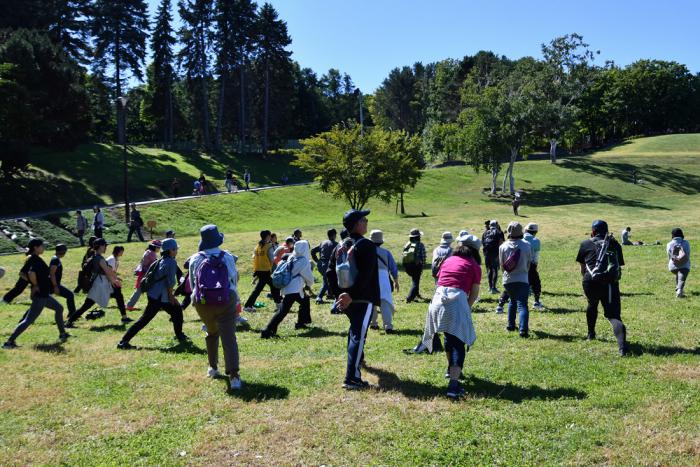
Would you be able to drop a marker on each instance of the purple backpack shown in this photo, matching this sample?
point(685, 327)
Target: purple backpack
point(211, 281)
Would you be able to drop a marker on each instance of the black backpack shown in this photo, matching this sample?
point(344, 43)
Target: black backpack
point(88, 274)
point(491, 240)
point(606, 268)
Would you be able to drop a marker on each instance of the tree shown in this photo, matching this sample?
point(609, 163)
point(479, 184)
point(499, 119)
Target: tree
point(273, 39)
point(196, 35)
point(226, 57)
point(358, 167)
point(563, 80)
point(244, 39)
point(397, 102)
point(69, 27)
point(160, 99)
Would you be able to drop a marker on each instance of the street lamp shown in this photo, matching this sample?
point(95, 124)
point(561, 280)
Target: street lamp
point(121, 116)
point(358, 93)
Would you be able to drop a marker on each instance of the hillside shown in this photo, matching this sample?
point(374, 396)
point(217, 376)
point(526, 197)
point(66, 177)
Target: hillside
point(554, 398)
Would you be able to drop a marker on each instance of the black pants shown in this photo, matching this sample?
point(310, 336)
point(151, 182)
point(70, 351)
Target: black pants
point(456, 350)
point(414, 271)
point(132, 229)
point(533, 278)
point(264, 278)
point(359, 315)
point(70, 299)
point(304, 315)
point(98, 232)
point(81, 233)
point(609, 296)
point(152, 309)
point(15, 291)
point(89, 303)
point(491, 263)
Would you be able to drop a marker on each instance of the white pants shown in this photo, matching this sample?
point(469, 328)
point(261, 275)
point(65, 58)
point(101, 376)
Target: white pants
point(387, 314)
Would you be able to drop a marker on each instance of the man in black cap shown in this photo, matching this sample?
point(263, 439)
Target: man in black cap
point(604, 289)
point(357, 301)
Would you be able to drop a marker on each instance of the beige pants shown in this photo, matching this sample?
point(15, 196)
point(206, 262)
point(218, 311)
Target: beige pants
point(221, 323)
point(387, 315)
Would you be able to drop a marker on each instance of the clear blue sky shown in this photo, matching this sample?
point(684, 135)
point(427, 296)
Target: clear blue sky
point(367, 38)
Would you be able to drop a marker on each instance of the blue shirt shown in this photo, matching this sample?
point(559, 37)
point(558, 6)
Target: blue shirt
point(166, 278)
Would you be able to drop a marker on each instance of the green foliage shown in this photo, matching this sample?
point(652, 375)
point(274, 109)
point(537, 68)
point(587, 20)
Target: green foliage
point(357, 167)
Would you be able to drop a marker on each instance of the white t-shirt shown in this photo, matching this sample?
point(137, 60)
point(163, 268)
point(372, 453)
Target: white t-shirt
point(113, 263)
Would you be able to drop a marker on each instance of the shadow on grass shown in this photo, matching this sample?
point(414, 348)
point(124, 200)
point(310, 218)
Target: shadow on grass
point(557, 311)
point(108, 327)
point(404, 332)
point(562, 294)
point(316, 332)
point(179, 348)
point(660, 350)
point(557, 337)
point(558, 195)
point(474, 386)
point(55, 348)
point(257, 392)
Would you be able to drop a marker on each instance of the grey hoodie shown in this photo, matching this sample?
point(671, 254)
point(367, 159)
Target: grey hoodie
point(520, 273)
point(669, 251)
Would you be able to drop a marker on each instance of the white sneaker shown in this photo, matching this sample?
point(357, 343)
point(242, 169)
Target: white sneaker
point(241, 320)
point(499, 310)
point(213, 373)
point(249, 309)
point(538, 306)
point(236, 383)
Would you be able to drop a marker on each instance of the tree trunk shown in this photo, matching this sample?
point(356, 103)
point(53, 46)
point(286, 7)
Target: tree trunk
point(220, 114)
point(266, 110)
point(509, 172)
point(241, 135)
point(494, 179)
point(118, 82)
point(169, 115)
point(205, 113)
point(403, 210)
point(553, 150)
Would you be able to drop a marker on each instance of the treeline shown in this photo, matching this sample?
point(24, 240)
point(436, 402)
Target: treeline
point(488, 110)
point(222, 78)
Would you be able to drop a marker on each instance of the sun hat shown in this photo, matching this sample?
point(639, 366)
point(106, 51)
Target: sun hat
point(531, 227)
point(169, 244)
point(210, 237)
point(415, 233)
point(493, 223)
point(351, 217)
point(515, 230)
point(447, 238)
point(169, 233)
point(156, 243)
point(462, 233)
point(376, 237)
point(469, 240)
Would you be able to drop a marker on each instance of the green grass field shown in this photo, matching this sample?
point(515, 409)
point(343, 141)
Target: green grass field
point(552, 399)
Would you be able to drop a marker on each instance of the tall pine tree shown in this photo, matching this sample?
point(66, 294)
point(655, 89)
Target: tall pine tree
point(226, 57)
point(161, 100)
point(196, 35)
point(69, 27)
point(273, 39)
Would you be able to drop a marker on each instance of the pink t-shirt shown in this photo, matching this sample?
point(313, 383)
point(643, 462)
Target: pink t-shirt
point(458, 272)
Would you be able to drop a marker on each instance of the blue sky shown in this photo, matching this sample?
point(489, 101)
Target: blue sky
point(368, 38)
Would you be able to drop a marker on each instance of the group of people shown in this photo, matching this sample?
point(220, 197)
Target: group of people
point(358, 274)
point(201, 186)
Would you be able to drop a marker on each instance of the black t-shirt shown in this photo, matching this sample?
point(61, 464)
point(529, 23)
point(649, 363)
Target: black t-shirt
point(366, 286)
point(39, 267)
point(587, 254)
point(56, 261)
point(229, 175)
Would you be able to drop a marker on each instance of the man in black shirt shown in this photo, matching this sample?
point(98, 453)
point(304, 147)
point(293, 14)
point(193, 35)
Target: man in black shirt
point(135, 224)
point(605, 292)
point(325, 249)
point(56, 274)
point(358, 300)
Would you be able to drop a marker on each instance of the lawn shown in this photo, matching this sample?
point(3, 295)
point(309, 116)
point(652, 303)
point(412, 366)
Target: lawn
point(552, 399)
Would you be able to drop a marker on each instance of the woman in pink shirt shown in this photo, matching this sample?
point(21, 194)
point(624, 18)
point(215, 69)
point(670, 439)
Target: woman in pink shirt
point(149, 257)
point(450, 310)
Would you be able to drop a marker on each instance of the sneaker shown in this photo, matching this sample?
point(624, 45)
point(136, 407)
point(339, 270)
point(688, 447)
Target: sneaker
point(125, 346)
point(538, 306)
point(63, 337)
point(374, 326)
point(249, 309)
point(241, 320)
point(236, 383)
point(680, 295)
point(524, 334)
point(624, 351)
point(9, 345)
point(590, 336)
point(69, 325)
point(267, 334)
point(182, 338)
point(126, 319)
point(300, 326)
point(213, 373)
point(499, 310)
point(454, 391)
point(355, 385)
point(420, 348)
point(320, 301)
point(510, 328)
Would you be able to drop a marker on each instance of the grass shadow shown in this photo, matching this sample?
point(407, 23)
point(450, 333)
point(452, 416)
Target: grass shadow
point(108, 327)
point(257, 392)
point(660, 350)
point(557, 337)
point(316, 332)
point(558, 311)
point(180, 348)
point(475, 387)
point(558, 195)
point(562, 294)
point(55, 348)
point(404, 332)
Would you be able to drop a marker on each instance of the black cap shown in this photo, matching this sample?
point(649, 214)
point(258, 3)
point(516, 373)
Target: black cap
point(677, 232)
point(600, 227)
point(99, 242)
point(34, 242)
point(61, 248)
point(352, 216)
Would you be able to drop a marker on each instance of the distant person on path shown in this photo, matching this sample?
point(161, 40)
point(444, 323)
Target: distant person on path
point(388, 281)
point(175, 187)
point(98, 221)
point(263, 255)
point(220, 320)
point(246, 179)
point(81, 225)
point(357, 300)
point(285, 179)
point(160, 297)
point(136, 224)
point(491, 240)
point(515, 257)
point(38, 275)
point(678, 250)
point(441, 253)
point(229, 180)
point(56, 275)
point(102, 288)
point(598, 255)
point(321, 254)
point(149, 257)
point(450, 310)
point(301, 276)
point(413, 259)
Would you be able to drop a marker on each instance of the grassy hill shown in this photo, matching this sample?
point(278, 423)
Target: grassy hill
point(552, 399)
point(93, 174)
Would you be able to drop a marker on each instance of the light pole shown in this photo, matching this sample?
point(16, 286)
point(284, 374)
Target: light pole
point(358, 93)
point(121, 115)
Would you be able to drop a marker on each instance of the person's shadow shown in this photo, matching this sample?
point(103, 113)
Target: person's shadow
point(258, 392)
point(474, 386)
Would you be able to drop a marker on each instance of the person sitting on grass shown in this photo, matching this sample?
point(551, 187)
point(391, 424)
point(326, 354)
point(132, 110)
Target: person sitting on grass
point(160, 297)
point(102, 288)
point(38, 275)
point(450, 310)
point(678, 251)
